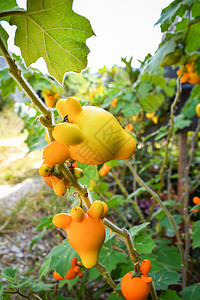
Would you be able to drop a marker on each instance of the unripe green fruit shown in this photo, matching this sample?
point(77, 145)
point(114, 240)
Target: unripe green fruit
point(78, 173)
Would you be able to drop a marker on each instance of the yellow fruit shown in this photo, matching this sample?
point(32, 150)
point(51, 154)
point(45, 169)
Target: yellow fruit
point(105, 211)
point(77, 213)
point(85, 237)
point(104, 138)
point(134, 118)
point(60, 106)
point(68, 134)
point(56, 153)
point(198, 110)
point(62, 220)
point(194, 78)
point(155, 119)
point(96, 209)
point(47, 138)
point(45, 170)
point(78, 173)
point(149, 115)
point(59, 185)
point(185, 77)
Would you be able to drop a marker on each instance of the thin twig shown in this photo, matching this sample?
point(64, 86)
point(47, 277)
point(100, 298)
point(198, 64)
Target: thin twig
point(186, 202)
point(166, 211)
point(172, 116)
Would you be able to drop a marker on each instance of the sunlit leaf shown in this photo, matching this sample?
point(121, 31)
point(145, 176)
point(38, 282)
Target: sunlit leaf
point(52, 30)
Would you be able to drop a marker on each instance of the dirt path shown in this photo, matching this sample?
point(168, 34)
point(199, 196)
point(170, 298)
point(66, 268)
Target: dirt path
point(10, 194)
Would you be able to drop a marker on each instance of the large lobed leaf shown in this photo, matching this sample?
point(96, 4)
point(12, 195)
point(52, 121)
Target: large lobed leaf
point(52, 30)
point(59, 259)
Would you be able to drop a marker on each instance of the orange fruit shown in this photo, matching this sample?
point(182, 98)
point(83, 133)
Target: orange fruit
point(134, 288)
point(145, 266)
point(105, 169)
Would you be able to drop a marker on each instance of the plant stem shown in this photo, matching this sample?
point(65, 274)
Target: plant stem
point(172, 116)
point(104, 272)
point(166, 211)
point(186, 202)
point(153, 292)
point(122, 188)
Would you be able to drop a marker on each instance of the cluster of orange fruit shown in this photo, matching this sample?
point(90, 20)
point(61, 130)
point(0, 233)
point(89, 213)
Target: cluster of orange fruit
point(136, 285)
point(189, 74)
point(56, 180)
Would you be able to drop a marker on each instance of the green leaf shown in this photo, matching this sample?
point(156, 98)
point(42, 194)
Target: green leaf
point(168, 12)
point(168, 295)
point(114, 296)
point(196, 235)
point(41, 286)
point(144, 88)
point(109, 235)
point(52, 30)
point(90, 172)
point(45, 267)
point(61, 257)
point(192, 43)
point(109, 257)
point(7, 87)
point(10, 274)
point(163, 278)
point(144, 243)
point(180, 122)
point(166, 223)
point(135, 229)
point(9, 5)
point(169, 257)
point(182, 25)
point(1, 290)
point(196, 9)
point(25, 281)
point(115, 201)
point(151, 102)
point(191, 292)
point(132, 110)
point(166, 47)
